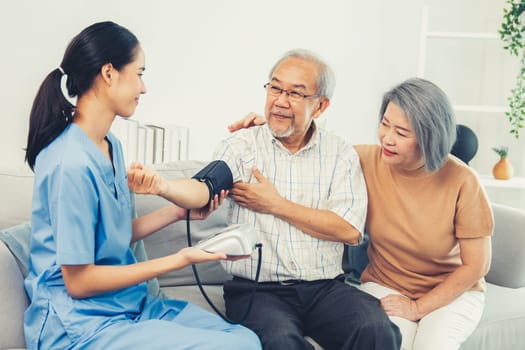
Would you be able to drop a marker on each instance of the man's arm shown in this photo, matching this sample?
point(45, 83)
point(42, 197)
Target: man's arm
point(262, 197)
point(186, 193)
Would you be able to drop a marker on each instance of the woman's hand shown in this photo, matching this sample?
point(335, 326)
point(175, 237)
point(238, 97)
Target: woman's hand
point(142, 180)
point(252, 119)
point(194, 255)
point(204, 212)
point(401, 306)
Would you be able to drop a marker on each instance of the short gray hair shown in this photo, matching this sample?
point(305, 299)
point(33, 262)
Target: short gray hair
point(326, 78)
point(431, 116)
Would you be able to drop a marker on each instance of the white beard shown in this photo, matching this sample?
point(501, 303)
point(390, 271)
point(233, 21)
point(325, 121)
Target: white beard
point(284, 133)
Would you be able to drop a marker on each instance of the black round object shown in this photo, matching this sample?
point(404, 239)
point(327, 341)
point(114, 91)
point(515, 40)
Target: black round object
point(466, 144)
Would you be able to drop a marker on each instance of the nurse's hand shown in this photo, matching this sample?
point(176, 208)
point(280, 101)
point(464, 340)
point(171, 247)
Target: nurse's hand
point(204, 212)
point(194, 255)
point(142, 180)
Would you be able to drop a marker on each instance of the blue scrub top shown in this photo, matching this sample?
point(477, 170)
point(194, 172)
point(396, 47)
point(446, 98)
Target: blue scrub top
point(81, 215)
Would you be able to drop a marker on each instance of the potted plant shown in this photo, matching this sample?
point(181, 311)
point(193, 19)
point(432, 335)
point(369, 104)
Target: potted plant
point(512, 33)
point(503, 169)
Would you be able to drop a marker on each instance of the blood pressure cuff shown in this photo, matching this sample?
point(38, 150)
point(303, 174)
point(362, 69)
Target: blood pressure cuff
point(217, 176)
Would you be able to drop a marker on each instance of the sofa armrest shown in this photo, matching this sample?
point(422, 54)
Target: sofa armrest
point(508, 247)
point(14, 301)
point(16, 187)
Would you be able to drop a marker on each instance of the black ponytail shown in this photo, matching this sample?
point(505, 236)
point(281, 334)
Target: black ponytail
point(50, 114)
point(93, 47)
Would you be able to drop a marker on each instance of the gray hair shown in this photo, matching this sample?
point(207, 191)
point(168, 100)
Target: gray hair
point(431, 116)
point(326, 78)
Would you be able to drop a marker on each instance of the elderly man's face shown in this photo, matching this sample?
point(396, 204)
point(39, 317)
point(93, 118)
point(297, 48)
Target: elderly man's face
point(289, 119)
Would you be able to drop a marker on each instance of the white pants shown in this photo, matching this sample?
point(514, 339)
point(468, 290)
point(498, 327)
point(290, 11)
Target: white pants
point(442, 329)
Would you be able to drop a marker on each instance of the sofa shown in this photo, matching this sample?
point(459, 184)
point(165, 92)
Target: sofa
point(502, 326)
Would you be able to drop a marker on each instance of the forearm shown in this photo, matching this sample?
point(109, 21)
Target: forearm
point(83, 281)
point(322, 224)
point(186, 193)
point(146, 225)
point(475, 255)
point(452, 287)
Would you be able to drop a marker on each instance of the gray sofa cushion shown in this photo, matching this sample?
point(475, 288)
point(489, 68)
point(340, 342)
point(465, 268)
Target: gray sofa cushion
point(502, 323)
point(16, 188)
point(508, 261)
point(17, 240)
point(14, 302)
point(193, 295)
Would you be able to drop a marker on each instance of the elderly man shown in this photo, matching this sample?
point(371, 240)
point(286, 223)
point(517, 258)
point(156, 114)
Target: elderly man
point(303, 190)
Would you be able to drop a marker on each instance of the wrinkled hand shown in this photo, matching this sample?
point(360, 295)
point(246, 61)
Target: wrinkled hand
point(142, 180)
point(260, 197)
point(401, 306)
point(252, 119)
point(204, 212)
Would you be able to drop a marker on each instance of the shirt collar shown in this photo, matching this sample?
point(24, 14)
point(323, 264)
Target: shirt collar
point(314, 139)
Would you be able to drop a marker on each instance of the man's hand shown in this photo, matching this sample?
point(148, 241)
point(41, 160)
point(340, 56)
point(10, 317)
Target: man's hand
point(142, 180)
point(252, 119)
point(261, 197)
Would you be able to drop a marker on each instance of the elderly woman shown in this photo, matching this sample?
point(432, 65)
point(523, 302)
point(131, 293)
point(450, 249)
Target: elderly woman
point(429, 220)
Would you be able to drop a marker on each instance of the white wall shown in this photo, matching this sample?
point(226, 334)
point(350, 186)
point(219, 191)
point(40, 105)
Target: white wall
point(208, 59)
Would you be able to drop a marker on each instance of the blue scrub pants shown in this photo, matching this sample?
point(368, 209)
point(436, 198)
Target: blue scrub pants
point(164, 324)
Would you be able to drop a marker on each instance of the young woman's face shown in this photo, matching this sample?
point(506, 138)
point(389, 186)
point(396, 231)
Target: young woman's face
point(399, 146)
point(129, 85)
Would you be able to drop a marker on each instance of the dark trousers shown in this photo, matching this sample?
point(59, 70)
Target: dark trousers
point(334, 314)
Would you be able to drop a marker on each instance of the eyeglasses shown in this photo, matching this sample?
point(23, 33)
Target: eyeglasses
point(293, 95)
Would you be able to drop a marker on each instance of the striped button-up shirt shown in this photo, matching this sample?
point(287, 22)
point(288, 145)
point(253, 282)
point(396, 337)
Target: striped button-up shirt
point(325, 174)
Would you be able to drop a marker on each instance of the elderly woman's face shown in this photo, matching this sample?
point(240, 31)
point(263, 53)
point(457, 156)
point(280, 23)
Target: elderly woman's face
point(398, 141)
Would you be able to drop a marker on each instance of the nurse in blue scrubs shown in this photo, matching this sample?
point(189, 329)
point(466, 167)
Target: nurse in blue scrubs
point(86, 288)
